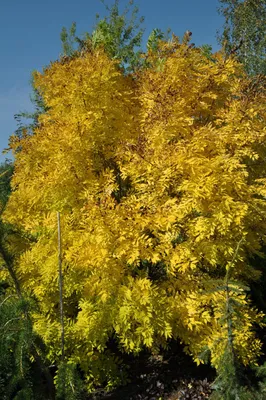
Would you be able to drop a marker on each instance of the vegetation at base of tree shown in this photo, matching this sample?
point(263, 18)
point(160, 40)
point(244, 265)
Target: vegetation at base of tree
point(20, 376)
point(23, 373)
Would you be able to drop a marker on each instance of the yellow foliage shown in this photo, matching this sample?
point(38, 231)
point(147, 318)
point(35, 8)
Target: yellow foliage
point(157, 177)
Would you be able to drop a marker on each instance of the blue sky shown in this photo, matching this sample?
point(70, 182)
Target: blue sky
point(30, 38)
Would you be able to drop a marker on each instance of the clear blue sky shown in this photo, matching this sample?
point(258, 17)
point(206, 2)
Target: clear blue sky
point(30, 38)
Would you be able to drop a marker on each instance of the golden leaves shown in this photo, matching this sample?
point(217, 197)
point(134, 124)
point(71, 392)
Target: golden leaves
point(156, 177)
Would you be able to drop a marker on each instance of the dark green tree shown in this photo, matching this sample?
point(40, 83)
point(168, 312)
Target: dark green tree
point(234, 381)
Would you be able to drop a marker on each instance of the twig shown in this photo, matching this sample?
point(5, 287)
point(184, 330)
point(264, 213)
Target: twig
point(60, 273)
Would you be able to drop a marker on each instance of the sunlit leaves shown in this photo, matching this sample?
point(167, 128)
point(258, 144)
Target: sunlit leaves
point(157, 176)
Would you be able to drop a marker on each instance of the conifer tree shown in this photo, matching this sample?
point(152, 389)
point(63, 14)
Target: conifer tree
point(233, 380)
point(22, 369)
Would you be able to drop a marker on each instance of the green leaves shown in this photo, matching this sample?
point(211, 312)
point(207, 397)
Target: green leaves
point(16, 341)
point(244, 32)
point(119, 34)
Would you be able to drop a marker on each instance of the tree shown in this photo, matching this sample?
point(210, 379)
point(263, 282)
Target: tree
point(22, 370)
point(244, 32)
point(233, 380)
point(119, 34)
point(157, 176)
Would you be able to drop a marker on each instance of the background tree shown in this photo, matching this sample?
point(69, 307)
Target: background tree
point(244, 32)
point(120, 34)
point(244, 35)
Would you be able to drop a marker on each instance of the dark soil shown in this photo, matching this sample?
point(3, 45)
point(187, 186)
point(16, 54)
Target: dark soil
point(173, 376)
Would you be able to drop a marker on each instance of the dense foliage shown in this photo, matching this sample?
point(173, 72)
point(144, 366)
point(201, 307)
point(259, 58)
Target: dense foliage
point(156, 163)
point(119, 33)
point(244, 32)
point(159, 178)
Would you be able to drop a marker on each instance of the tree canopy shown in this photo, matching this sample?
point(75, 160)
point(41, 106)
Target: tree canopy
point(245, 32)
point(159, 177)
point(155, 161)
